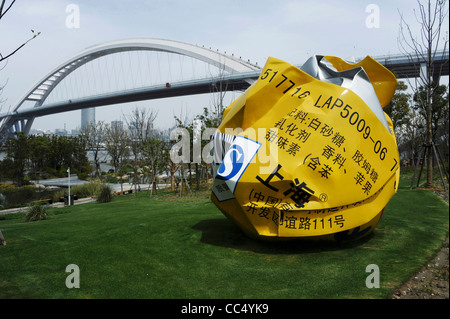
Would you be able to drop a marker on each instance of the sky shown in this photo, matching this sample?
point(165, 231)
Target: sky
point(254, 29)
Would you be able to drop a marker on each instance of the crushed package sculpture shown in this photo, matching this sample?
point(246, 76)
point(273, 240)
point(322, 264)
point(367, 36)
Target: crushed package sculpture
point(309, 152)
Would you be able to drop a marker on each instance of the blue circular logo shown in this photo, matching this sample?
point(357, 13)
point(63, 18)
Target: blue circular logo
point(232, 162)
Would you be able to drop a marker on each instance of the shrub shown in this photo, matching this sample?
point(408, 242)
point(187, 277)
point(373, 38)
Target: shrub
point(83, 190)
point(105, 194)
point(88, 189)
point(16, 196)
point(36, 212)
point(111, 179)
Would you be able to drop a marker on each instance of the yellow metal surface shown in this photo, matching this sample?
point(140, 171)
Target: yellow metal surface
point(308, 158)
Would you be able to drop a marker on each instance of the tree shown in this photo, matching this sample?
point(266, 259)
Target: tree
point(209, 124)
point(219, 89)
point(155, 151)
point(398, 109)
point(79, 160)
point(2, 87)
point(400, 113)
point(412, 133)
point(423, 50)
point(38, 154)
point(17, 151)
point(4, 8)
point(188, 126)
point(93, 134)
point(59, 153)
point(171, 165)
point(39, 150)
point(116, 143)
point(439, 106)
point(6, 169)
point(140, 127)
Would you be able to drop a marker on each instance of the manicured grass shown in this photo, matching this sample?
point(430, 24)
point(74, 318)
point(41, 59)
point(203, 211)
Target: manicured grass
point(162, 247)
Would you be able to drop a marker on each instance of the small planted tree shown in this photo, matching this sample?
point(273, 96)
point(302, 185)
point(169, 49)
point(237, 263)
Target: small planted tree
point(93, 134)
point(140, 127)
point(105, 194)
point(35, 212)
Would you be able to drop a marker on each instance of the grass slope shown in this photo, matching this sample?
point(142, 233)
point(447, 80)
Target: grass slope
point(152, 248)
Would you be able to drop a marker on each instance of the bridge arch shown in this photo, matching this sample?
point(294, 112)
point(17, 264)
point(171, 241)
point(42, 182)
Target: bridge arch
point(41, 90)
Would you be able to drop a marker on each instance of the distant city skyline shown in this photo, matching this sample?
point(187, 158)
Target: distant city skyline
point(73, 132)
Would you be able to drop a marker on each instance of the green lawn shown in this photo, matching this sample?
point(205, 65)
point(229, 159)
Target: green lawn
point(166, 248)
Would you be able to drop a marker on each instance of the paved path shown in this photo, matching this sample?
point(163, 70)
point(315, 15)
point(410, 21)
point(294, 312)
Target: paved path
point(60, 182)
point(128, 186)
point(59, 204)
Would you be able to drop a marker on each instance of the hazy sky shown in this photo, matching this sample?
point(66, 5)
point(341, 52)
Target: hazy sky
point(255, 30)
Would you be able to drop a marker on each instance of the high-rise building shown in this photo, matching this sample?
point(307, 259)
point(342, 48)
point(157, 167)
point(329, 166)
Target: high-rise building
point(60, 131)
point(87, 116)
point(118, 124)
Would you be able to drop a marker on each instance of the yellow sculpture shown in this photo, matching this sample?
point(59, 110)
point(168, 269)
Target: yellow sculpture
point(308, 152)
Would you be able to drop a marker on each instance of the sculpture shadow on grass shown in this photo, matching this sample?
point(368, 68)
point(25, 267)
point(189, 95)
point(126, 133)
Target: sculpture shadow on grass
point(224, 233)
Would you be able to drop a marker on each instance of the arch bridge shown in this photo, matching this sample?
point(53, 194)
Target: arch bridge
point(232, 74)
point(237, 73)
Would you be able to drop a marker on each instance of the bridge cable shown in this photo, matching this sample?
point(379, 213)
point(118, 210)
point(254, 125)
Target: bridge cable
point(72, 86)
point(181, 67)
point(67, 89)
point(139, 67)
point(88, 81)
point(91, 73)
point(148, 68)
point(83, 83)
point(159, 67)
point(144, 69)
point(101, 75)
point(130, 70)
point(169, 64)
point(123, 73)
point(115, 73)
point(193, 67)
point(107, 73)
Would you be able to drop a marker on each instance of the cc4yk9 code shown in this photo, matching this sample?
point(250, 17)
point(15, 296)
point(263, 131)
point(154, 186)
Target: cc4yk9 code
point(247, 308)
